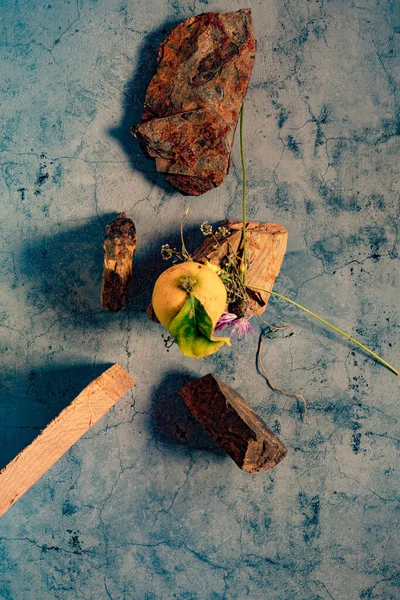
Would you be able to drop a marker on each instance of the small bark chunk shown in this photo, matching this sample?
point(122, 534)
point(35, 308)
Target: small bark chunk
point(119, 250)
point(266, 246)
point(233, 424)
point(193, 101)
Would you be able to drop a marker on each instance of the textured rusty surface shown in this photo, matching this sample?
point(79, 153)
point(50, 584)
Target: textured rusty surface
point(233, 424)
point(193, 101)
point(119, 250)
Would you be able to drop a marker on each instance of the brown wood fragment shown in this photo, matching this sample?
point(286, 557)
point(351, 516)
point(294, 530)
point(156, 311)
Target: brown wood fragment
point(119, 250)
point(193, 101)
point(75, 420)
point(233, 424)
point(266, 246)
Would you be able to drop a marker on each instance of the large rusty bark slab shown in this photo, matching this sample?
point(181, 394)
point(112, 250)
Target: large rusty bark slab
point(233, 424)
point(266, 246)
point(193, 101)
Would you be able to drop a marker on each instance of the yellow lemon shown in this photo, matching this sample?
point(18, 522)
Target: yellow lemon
point(172, 288)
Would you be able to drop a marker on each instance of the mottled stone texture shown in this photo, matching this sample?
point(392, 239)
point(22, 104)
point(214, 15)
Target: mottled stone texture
point(193, 101)
point(144, 506)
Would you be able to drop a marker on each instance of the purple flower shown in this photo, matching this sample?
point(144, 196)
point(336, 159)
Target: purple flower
point(242, 327)
point(224, 321)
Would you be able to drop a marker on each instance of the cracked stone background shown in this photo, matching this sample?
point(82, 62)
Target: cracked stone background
point(144, 506)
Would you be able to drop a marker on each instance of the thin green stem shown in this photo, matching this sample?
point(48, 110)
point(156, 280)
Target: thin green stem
point(243, 264)
point(346, 335)
point(185, 253)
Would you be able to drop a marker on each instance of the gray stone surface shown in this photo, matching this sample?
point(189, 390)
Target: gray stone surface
point(133, 511)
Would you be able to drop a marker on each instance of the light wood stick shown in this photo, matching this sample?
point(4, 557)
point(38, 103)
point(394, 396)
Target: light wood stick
point(75, 420)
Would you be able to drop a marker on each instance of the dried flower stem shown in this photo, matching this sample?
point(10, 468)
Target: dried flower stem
point(273, 328)
point(243, 264)
point(263, 371)
point(346, 335)
point(185, 253)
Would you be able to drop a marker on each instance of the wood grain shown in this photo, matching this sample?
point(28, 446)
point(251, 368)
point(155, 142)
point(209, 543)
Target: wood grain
point(75, 420)
point(119, 250)
point(266, 247)
point(233, 424)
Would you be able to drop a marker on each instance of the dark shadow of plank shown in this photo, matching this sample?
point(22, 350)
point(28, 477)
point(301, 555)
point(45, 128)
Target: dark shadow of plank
point(30, 401)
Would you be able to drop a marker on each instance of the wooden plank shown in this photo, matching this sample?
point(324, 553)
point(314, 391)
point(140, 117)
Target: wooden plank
point(233, 424)
point(66, 429)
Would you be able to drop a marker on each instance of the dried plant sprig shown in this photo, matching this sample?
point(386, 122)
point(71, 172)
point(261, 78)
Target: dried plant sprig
point(168, 340)
point(231, 278)
point(242, 327)
point(222, 231)
point(271, 385)
point(225, 320)
point(206, 228)
point(243, 264)
point(185, 253)
point(325, 322)
point(166, 251)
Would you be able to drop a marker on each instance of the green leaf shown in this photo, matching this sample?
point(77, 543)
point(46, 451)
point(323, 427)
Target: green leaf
point(192, 329)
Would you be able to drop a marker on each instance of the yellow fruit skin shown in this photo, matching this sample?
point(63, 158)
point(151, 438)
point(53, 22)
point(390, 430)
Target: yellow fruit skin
point(168, 296)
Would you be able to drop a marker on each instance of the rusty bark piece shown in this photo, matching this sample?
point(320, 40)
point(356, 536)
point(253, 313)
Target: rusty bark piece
point(233, 424)
point(266, 246)
point(119, 250)
point(193, 101)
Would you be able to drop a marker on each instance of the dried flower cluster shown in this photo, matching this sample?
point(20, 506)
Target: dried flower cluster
point(240, 327)
point(166, 251)
point(206, 228)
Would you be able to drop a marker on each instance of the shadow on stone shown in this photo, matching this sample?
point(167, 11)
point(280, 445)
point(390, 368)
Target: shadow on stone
point(132, 103)
point(65, 271)
point(29, 401)
point(173, 423)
